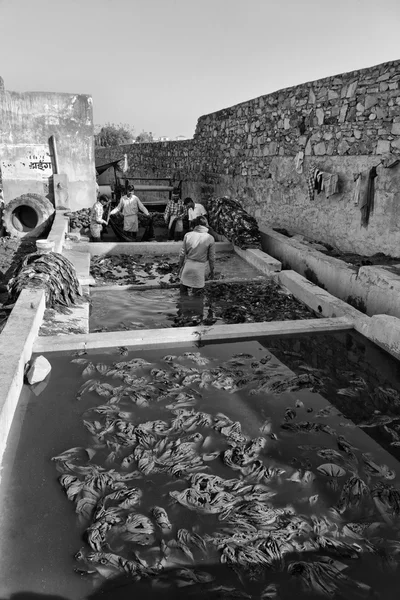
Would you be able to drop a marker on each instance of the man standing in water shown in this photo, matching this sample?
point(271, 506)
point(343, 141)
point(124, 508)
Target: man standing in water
point(198, 248)
point(129, 206)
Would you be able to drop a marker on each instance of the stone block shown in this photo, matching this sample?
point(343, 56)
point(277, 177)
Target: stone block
point(320, 115)
point(383, 146)
point(343, 147)
point(320, 149)
point(332, 95)
point(342, 116)
point(380, 112)
point(370, 101)
point(351, 90)
point(38, 370)
point(395, 129)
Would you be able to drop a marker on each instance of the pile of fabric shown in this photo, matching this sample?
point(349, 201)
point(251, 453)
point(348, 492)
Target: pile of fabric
point(79, 219)
point(228, 218)
point(52, 272)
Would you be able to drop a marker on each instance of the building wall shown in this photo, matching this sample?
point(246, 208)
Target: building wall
point(27, 121)
point(343, 124)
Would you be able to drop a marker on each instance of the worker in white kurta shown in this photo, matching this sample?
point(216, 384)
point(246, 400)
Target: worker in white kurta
point(198, 249)
point(129, 207)
point(194, 210)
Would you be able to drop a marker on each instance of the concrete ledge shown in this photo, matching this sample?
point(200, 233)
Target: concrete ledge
point(58, 231)
point(140, 247)
point(319, 300)
point(184, 336)
point(371, 289)
point(260, 260)
point(81, 262)
point(384, 331)
point(76, 321)
point(169, 286)
point(379, 289)
point(17, 339)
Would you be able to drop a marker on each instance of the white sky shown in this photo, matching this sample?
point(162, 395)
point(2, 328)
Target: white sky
point(160, 64)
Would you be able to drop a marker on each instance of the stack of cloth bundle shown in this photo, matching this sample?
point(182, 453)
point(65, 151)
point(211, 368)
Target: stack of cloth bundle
point(52, 272)
point(228, 218)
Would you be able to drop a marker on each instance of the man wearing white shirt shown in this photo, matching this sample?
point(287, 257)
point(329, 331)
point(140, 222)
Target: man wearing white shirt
point(194, 210)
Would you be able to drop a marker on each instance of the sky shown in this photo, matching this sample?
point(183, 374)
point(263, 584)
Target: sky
point(158, 65)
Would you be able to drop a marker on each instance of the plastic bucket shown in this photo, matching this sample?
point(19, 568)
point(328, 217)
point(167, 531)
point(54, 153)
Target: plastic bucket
point(44, 246)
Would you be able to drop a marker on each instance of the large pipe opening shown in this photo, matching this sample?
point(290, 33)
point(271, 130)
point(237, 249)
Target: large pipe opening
point(24, 218)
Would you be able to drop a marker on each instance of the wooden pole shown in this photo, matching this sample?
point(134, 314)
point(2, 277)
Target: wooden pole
point(55, 155)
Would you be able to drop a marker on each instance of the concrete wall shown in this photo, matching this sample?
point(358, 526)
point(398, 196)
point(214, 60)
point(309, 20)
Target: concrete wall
point(343, 124)
point(27, 120)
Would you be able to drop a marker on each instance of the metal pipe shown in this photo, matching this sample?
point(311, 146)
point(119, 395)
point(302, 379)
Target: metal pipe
point(152, 188)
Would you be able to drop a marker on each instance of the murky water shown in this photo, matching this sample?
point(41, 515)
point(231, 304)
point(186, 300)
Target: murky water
point(40, 531)
point(123, 269)
point(156, 309)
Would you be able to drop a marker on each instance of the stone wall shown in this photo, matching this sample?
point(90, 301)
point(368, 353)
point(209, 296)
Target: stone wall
point(344, 124)
point(27, 121)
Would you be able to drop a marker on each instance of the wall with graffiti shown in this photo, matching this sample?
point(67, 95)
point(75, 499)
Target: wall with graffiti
point(27, 158)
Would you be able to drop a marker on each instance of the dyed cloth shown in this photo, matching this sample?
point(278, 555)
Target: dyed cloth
point(198, 248)
point(314, 182)
point(129, 208)
point(227, 217)
point(310, 183)
point(178, 227)
point(175, 229)
point(357, 188)
point(298, 161)
point(367, 194)
point(330, 183)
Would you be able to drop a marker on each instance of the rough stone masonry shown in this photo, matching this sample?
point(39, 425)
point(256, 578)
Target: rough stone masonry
point(343, 125)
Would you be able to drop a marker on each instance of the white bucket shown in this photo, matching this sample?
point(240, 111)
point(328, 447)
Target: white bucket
point(44, 246)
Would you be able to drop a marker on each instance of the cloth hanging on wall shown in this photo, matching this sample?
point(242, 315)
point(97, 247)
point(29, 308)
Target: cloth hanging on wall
point(298, 161)
point(314, 182)
point(357, 188)
point(310, 183)
point(367, 195)
point(330, 183)
point(318, 181)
